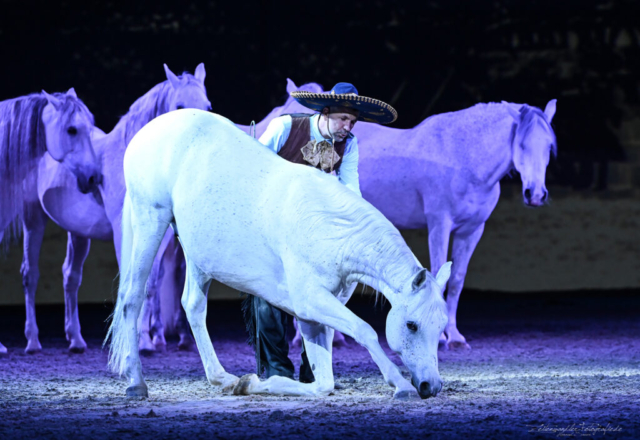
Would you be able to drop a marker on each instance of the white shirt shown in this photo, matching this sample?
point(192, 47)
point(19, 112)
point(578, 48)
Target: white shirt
point(277, 134)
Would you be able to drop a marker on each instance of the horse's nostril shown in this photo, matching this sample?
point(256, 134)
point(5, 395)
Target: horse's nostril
point(527, 193)
point(425, 389)
point(545, 195)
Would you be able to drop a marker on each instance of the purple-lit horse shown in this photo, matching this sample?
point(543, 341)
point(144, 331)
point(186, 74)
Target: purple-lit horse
point(91, 216)
point(32, 126)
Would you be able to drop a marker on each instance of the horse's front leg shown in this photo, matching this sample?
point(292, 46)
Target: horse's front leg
point(327, 310)
point(318, 345)
point(194, 301)
point(461, 250)
point(439, 234)
point(77, 251)
point(33, 223)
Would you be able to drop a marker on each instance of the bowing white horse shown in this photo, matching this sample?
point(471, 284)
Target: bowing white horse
point(444, 175)
point(97, 215)
point(287, 233)
point(57, 125)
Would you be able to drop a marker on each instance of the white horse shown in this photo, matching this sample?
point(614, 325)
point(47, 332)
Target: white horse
point(93, 216)
point(287, 233)
point(444, 175)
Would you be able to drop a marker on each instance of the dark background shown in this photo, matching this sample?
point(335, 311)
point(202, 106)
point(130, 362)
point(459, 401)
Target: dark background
point(423, 57)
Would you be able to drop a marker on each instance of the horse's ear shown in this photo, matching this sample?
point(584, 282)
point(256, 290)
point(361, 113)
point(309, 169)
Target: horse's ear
point(55, 102)
point(550, 109)
point(419, 280)
point(72, 92)
point(291, 86)
point(443, 274)
point(514, 114)
point(200, 73)
point(173, 79)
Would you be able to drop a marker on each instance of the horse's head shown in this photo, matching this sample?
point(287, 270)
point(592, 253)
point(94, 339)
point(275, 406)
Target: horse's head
point(68, 124)
point(533, 143)
point(414, 324)
point(188, 90)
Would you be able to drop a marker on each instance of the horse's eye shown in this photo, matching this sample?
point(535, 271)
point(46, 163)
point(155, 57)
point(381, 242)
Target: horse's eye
point(72, 131)
point(180, 107)
point(412, 326)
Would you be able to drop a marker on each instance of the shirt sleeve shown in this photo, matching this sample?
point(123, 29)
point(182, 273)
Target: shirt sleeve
point(276, 133)
point(348, 172)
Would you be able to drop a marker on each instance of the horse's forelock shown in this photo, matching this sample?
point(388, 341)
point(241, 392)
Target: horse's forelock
point(72, 105)
point(532, 116)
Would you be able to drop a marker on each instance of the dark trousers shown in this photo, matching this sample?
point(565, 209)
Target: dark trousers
point(270, 326)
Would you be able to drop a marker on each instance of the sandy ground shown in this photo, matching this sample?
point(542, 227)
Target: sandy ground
point(541, 366)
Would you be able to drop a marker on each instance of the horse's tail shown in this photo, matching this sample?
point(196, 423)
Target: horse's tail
point(119, 347)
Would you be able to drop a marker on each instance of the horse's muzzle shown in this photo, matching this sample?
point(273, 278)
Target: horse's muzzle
point(89, 183)
point(427, 389)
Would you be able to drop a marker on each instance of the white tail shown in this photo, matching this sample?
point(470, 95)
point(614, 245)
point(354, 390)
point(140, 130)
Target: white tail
point(119, 348)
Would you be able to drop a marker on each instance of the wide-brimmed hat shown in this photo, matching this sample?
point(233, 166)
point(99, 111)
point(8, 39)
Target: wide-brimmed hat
point(346, 95)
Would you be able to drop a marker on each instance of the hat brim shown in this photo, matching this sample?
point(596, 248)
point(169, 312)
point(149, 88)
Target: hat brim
point(370, 109)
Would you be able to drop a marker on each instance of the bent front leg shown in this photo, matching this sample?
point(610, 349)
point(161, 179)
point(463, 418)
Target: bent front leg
point(318, 345)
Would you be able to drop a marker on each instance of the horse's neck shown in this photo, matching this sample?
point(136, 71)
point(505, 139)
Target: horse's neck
point(480, 141)
point(385, 265)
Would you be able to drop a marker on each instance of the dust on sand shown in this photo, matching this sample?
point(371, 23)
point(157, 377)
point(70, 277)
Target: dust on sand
point(541, 366)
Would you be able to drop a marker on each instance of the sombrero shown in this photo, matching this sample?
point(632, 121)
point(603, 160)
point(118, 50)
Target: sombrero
point(346, 95)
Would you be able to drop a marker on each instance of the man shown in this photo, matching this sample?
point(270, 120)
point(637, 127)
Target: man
point(322, 140)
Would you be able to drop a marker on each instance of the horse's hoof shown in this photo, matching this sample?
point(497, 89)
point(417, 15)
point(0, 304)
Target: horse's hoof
point(407, 396)
point(3, 352)
point(442, 346)
point(187, 346)
point(77, 349)
point(230, 386)
point(458, 345)
point(146, 352)
point(160, 348)
point(32, 350)
point(243, 385)
point(137, 391)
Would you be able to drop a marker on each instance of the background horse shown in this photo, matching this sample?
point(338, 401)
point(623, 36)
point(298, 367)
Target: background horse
point(30, 126)
point(445, 175)
point(93, 216)
point(292, 235)
point(57, 125)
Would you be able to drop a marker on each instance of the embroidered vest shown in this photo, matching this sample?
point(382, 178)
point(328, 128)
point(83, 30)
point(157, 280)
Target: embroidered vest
point(299, 136)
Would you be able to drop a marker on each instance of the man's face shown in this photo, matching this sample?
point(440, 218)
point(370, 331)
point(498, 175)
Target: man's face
point(341, 121)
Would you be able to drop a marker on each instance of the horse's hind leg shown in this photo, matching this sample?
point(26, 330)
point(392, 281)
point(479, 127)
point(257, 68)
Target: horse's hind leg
point(194, 301)
point(77, 251)
point(142, 230)
point(151, 306)
point(33, 222)
point(464, 243)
